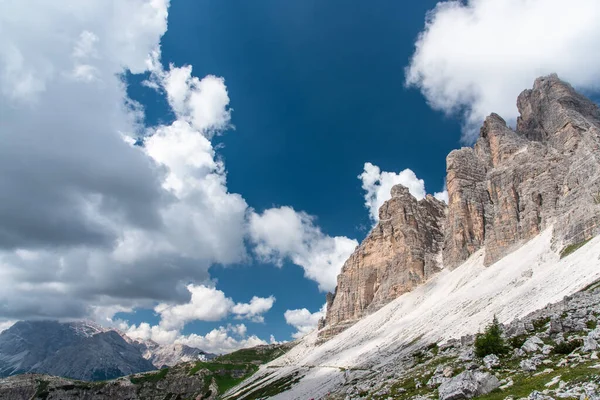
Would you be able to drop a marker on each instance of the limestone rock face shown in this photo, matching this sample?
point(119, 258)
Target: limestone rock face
point(513, 184)
point(402, 251)
point(503, 191)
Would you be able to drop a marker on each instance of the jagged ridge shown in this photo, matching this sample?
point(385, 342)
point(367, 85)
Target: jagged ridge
point(503, 191)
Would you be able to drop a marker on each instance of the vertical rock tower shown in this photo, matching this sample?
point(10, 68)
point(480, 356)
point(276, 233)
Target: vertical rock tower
point(401, 252)
point(503, 191)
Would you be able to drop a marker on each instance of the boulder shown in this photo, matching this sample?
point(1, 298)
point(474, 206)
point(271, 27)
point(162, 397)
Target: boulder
point(589, 344)
point(532, 344)
point(528, 365)
point(491, 361)
point(468, 384)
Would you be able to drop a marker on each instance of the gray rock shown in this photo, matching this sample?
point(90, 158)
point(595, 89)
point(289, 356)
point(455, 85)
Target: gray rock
point(437, 380)
point(547, 349)
point(595, 334)
point(535, 395)
point(467, 355)
point(529, 365)
point(589, 345)
point(555, 325)
point(532, 344)
point(491, 361)
point(468, 384)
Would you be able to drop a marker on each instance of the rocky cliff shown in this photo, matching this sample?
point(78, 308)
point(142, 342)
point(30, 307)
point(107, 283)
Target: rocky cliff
point(402, 251)
point(503, 191)
point(514, 183)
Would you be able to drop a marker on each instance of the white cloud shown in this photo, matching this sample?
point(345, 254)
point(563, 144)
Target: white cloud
point(219, 340)
point(476, 56)
point(211, 304)
point(4, 325)
point(377, 185)
point(239, 329)
point(206, 304)
point(106, 225)
point(281, 233)
point(93, 224)
point(303, 320)
point(442, 196)
point(253, 310)
point(203, 103)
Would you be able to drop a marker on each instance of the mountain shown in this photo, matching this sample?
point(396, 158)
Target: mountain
point(504, 191)
point(518, 244)
point(172, 354)
point(519, 233)
point(84, 351)
point(205, 380)
point(80, 350)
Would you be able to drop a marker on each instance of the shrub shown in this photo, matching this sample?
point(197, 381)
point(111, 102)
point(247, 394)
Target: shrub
point(567, 347)
point(490, 341)
point(572, 247)
point(517, 341)
point(540, 323)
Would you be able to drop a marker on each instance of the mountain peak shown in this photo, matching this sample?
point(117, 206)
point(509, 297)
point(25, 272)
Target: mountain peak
point(504, 191)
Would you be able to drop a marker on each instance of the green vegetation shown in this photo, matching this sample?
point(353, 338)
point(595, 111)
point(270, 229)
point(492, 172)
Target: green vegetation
point(409, 388)
point(150, 377)
point(525, 384)
point(225, 375)
point(42, 390)
point(272, 389)
point(490, 341)
point(255, 355)
point(433, 347)
point(572, 248)
point(517, 341)
point(567, 347)
point(591, 324)
point(540, 324)
point(230, 369)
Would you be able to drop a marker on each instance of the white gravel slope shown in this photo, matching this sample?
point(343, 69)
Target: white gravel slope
point(452, 304)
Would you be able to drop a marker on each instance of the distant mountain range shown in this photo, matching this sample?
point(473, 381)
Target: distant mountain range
point(84, 350)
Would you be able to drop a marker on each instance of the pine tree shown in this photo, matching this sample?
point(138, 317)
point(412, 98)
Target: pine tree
point(490, 341)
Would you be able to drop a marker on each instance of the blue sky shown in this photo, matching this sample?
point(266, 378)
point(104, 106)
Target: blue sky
point(317, 89)
point(199, 171)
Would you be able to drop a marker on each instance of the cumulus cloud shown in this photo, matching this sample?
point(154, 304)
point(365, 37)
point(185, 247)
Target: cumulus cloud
point(253, 310)
point(211, 304)
point(203, 103)
point(476, 56)
point(442, 196)
point(303, 320)
point(206, 304)
point(377, 185)
point(223, 339)
point(220, 340)
point(106, 215)
point(91, 223)
point(281, 233)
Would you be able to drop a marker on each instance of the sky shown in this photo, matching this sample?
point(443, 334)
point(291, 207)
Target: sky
point(198, 171)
